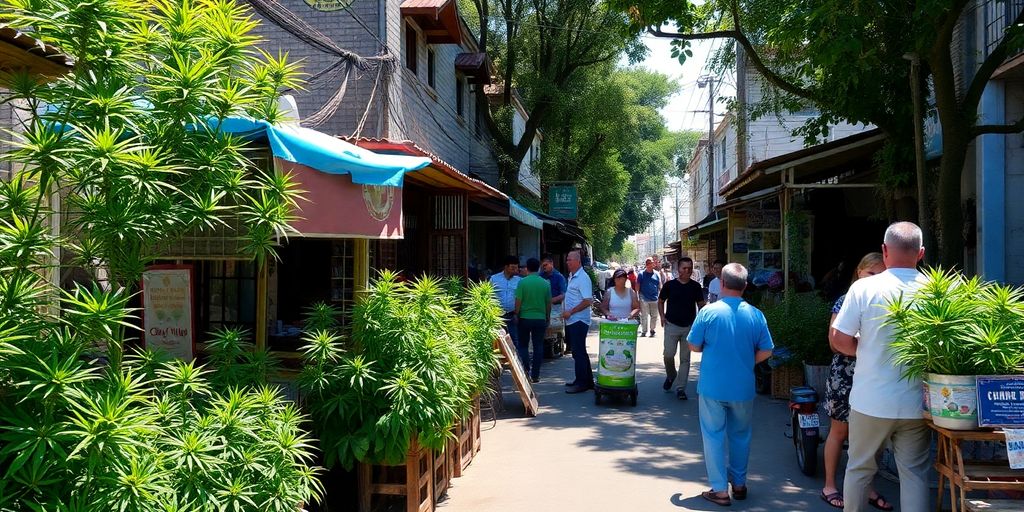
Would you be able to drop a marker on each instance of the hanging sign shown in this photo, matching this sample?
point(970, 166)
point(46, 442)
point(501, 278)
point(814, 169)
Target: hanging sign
point(167, 310)
point(562, 200)
point(1015, 447)
point(330, 5)
point(1001, 401)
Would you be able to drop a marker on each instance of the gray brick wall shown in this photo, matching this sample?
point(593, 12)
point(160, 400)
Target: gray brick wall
point(416, 111)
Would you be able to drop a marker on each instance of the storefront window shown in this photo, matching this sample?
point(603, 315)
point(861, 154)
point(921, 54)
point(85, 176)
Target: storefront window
point(228, 295)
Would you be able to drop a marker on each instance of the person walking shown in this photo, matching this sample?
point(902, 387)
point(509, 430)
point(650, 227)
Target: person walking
point(649, 285)
point(732, 337)
point(884, 405)
point(684, 297)
point(713, 288)
point(579, 296)
point(505, 283)
point(837, 399)
point(620, 303)
point(533, 308)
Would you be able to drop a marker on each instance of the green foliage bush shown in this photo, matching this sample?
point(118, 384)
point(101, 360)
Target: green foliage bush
point(958, 326)
point(417, 355)
point(799, 323)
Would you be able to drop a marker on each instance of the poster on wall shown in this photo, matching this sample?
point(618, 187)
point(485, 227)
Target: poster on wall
point(167, 310)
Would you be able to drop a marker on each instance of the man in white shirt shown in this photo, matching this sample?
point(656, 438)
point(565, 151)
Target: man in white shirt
point(505, 284)
point(579, 294)
point(883, 404)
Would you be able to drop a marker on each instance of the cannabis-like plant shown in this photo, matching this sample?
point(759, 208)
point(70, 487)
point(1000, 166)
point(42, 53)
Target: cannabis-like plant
point(954, 325)
point(121, 153)
point(417, 355)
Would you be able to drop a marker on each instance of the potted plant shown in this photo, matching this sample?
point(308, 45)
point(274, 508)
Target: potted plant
point(799, 327)
point(952, 330)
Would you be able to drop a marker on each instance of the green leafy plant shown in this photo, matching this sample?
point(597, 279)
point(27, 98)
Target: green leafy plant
point(799, 323)
point(128, 143)
point(416, 357)
point(954, 325)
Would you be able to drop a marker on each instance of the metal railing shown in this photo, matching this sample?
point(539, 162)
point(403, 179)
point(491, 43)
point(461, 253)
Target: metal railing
point(997, 15)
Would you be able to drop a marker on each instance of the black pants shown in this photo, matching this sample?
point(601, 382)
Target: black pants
point(531, 332)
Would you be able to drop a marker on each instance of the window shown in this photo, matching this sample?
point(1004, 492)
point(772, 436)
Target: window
point(411, 48)
point(228, 290)
point(430, 67)
point(460, 102)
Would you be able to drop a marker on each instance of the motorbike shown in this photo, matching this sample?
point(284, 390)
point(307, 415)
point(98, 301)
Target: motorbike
point(806, 427)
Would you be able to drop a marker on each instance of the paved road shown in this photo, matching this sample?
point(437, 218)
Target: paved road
point(575, 456)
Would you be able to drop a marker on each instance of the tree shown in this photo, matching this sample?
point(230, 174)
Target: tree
point(128, 145)
point(540, 49)
point(848, 60)
point(627, 255)
point(608, 135)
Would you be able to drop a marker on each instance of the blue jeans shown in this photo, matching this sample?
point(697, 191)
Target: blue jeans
point(726, 429)
point(512, 328)
point(576, 335)
point(531, 332)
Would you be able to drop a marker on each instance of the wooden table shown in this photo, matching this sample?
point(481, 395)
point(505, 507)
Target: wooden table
point(969, 475)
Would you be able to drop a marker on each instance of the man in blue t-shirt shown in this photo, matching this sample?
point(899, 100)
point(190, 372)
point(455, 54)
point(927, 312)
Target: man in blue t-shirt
point(732, 337)
point(649, 286)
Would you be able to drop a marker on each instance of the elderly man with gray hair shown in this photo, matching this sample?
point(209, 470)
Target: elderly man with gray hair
point(732, 336)
point(883, 404)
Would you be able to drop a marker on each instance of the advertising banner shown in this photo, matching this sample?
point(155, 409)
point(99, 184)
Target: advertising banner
point(167, 310)
point(617, 354)
point(562, 200)
point(1001, 401)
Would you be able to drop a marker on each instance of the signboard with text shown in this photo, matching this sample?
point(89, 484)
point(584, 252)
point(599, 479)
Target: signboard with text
point(167, 310)
point(562, 200)
point(1001, 401)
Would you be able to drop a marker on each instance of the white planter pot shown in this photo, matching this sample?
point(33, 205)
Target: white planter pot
point(953, 400)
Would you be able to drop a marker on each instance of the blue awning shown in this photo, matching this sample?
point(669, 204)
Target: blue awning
point(520, 213)
point(325, 153)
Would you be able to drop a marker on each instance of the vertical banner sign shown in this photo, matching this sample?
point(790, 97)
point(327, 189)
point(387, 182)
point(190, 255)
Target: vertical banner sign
point(562, 199)
point(616, 354)
point(167, 310)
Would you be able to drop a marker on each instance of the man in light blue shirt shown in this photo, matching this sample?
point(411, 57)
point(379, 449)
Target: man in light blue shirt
point(732, 337)
point(505, 284)
point(579, 294)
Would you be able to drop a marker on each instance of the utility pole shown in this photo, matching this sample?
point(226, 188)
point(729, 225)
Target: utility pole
point(709, 82)
point(924, 214)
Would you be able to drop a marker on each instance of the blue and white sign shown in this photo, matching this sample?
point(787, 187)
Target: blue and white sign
point(1001, 401)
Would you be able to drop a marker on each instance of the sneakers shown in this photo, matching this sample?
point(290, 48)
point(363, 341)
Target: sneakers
point(681, 394)
point(642, 334)
point(652, 333)
point(667, 385)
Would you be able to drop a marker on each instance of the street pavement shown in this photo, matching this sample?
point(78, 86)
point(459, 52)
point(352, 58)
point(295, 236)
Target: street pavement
point(575, 456)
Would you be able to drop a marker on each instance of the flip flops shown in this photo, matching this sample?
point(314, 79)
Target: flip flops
point(713, 497)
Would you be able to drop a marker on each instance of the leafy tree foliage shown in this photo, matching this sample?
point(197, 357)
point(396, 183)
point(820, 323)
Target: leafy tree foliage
point(608, 135)
point(127, 145)
point(849, 60)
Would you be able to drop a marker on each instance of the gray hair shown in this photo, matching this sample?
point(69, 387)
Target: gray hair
point(903, 237)
point(734, 277)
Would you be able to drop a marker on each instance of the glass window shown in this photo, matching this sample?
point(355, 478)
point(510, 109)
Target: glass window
point(229, 295)
point(411, 48)
point(430, 68)
point(460, 101)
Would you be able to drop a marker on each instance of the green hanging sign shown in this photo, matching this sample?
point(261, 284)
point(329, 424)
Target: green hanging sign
point(562, 200)
point(330, 5)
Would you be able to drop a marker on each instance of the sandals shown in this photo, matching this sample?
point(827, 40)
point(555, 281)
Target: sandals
point(713, 497)
point(835, 499)
point(878, 501)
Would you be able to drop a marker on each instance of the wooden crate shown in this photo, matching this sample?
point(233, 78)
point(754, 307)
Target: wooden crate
point(413, 480)
point(785, 377)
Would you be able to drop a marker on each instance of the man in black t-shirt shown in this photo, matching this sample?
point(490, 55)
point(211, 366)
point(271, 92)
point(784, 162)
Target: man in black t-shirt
point(684, 297)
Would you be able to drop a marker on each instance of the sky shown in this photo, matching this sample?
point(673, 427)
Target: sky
point(679, 113)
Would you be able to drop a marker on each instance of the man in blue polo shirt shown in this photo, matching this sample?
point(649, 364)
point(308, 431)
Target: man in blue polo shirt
point(732, 337)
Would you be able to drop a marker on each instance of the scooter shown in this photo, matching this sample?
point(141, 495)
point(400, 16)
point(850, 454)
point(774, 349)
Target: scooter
point(803, 401)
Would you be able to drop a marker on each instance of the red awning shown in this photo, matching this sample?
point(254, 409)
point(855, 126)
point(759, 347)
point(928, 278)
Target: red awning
point(439, 19)
point(475, 65)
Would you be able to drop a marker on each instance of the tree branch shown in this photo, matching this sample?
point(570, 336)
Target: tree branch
point(984, 129)
point(988, 67)
point(717, 34)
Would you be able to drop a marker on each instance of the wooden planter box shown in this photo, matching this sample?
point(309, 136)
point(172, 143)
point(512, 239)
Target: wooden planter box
point(413, 480)
point(467, 434)
point(785, 377)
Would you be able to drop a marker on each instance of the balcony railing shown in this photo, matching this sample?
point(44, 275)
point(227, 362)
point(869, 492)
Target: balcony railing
point(997, 17)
